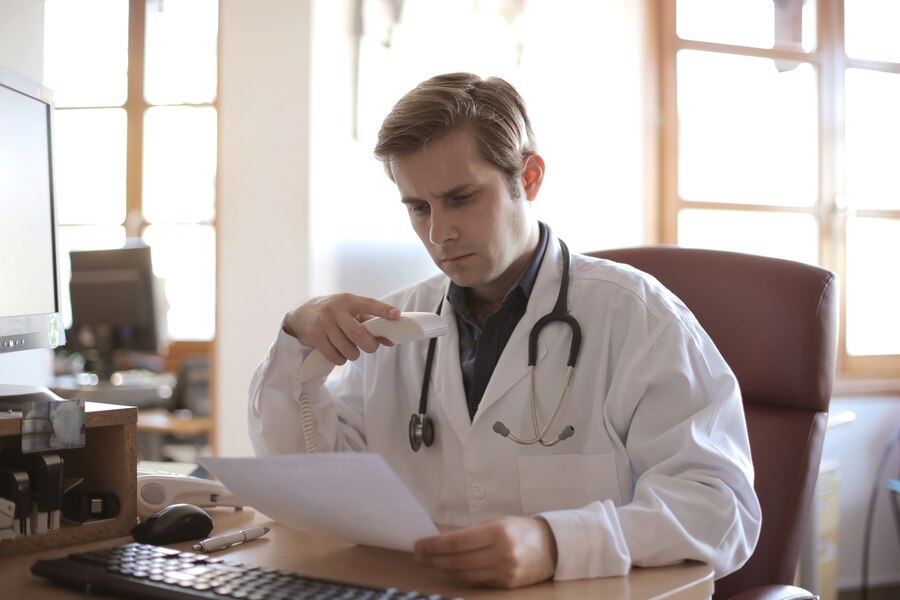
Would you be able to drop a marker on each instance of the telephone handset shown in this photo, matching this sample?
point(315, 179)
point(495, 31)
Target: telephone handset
point(410, 327)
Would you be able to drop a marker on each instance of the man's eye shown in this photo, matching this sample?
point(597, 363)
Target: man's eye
point(417, 209)
point(462, 198)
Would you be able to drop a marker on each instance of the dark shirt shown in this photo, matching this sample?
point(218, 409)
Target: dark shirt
point(480, 348)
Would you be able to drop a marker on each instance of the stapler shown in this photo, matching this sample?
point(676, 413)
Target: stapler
point(49, 469)
point(45, 471)
point(16, 487)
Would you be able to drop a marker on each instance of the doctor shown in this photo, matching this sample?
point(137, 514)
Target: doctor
point(657, 469)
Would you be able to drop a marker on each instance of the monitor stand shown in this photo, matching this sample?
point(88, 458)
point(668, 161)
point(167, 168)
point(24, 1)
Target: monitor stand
point(101, 353)
point(13, 397)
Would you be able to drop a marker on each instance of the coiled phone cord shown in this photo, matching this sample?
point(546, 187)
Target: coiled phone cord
point(308, 420)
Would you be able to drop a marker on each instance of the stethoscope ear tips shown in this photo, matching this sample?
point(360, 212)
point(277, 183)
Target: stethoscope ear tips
point(421, 431)
point(567, 432)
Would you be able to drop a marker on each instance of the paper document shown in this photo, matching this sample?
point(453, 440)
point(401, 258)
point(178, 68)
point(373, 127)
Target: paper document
point(352, 496)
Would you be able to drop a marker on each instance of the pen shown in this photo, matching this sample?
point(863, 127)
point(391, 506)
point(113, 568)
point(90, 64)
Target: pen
point(220, 542)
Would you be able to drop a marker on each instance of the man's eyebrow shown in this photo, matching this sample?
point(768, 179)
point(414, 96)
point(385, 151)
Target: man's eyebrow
point(452, 192)
point(456, 190)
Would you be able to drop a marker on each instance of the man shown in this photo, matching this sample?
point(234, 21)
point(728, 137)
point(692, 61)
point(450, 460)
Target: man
point(658, 469)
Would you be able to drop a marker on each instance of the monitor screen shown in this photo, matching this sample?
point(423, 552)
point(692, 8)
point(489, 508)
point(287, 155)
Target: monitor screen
point(117, 306)
point(29, 302)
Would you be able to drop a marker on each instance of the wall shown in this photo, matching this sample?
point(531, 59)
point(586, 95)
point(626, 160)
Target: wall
point(22, 37)
point(858, 447)
point(22, 50)
point(262, 215)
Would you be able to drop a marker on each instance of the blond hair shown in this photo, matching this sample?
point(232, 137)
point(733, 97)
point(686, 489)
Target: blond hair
point(491, 108)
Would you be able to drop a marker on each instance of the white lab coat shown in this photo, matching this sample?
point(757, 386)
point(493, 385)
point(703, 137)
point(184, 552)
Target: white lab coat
point(658, 470)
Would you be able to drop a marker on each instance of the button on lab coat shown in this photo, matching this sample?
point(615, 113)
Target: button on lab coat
point(658, 470)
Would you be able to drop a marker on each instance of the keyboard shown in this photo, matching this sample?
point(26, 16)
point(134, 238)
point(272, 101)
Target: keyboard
point(156, 572)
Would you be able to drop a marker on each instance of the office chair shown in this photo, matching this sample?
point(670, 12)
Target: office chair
point(775, 322)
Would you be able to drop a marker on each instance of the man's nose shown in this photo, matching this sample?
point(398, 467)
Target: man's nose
point(442, 228)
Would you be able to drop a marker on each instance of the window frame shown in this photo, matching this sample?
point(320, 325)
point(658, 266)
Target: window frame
point(136, 107)
point(854, 374)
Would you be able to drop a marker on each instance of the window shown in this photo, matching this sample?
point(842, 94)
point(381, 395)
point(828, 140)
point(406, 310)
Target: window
point(135, 90)
point(780, 136)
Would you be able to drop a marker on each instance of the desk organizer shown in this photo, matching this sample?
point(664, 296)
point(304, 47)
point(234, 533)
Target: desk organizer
point(107, 462)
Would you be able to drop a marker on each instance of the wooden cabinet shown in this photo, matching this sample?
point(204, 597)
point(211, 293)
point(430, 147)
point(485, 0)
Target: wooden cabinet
point(107, 463)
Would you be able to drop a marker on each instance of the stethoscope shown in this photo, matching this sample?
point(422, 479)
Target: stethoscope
point(421, 427)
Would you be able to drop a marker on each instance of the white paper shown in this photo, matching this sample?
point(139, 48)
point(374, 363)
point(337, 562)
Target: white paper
point(352, 496)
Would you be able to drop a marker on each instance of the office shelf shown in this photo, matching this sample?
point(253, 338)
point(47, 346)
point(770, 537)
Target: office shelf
point(107, 463)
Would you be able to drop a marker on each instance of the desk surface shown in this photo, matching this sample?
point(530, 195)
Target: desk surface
point(286, 548)
point(163, 421)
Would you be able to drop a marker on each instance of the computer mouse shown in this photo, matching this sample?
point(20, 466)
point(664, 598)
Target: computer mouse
point(172, 524)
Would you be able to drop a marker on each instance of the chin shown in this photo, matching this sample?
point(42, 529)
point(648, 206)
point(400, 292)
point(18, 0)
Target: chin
point(473, 283)
point(467, 277)
point(463, 282)
point(460, 277)
point(460, 280)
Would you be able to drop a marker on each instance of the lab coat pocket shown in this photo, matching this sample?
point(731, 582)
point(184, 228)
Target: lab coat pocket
point(563, 481)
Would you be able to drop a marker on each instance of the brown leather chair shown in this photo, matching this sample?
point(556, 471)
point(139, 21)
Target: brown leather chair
point(775, 322)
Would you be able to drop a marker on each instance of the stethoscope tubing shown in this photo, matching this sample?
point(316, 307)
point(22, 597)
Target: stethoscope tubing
point(421, 428)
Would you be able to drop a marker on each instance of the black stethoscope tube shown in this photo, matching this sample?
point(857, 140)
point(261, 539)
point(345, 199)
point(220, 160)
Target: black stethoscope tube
point(421, 427)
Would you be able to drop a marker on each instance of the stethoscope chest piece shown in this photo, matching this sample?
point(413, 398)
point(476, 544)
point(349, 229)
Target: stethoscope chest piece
point(421, 431)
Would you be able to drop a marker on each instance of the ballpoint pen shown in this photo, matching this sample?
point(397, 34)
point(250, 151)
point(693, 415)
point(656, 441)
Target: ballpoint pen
point(220, 542)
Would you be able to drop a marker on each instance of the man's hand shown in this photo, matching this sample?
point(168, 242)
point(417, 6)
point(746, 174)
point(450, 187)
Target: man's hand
point(332, 325)
point(505, 553)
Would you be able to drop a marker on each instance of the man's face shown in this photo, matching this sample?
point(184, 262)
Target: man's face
point(463, 210)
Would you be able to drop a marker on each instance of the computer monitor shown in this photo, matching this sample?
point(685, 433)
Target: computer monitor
point(29, 276)
point(117, 307)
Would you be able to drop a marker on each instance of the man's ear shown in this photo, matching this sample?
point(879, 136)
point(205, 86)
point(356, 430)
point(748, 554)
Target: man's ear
point(533, 175)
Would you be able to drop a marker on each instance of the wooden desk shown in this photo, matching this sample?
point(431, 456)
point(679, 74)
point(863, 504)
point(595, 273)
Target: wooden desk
point(165, 422)
point(155, 426)
point(286, 548)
